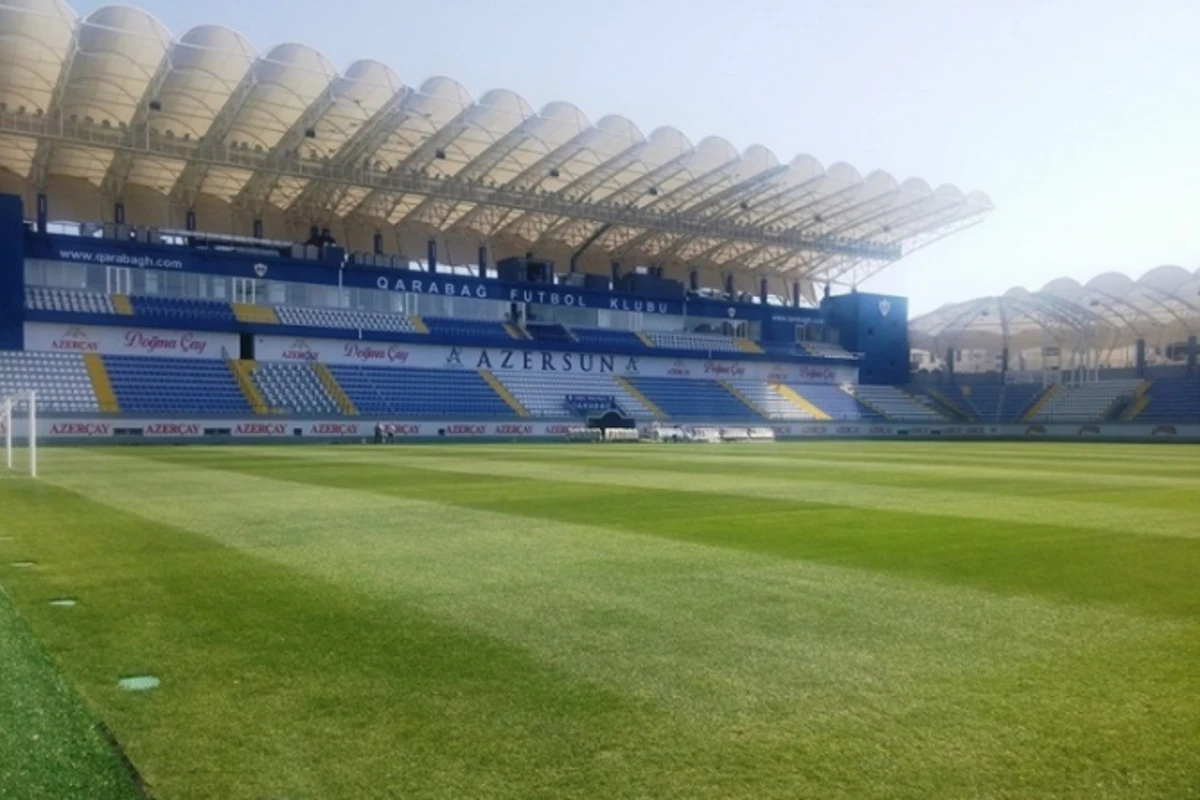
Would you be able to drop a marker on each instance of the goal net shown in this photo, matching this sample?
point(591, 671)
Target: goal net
point(18, 423)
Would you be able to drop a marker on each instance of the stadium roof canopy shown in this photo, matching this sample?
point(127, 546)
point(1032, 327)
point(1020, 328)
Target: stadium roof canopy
point(1109, 311)
point(113, 99)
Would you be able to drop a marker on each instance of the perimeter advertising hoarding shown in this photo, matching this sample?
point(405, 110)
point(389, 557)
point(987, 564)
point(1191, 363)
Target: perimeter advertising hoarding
point(504, 359)
point(351, 430)
point(129, 341)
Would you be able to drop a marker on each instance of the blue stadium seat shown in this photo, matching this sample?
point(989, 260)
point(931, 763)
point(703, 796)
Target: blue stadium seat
point(471, 330)
point(182, 309)
point(420, 392)
point(175, 386)
point(1002, 402)
point(549, 332)
point(1172, 400)
point(688, 399)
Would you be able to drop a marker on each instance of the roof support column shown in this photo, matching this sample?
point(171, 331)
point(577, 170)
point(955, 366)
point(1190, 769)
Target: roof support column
point(795, 294)
point(43, 212)
point(377, 243)
point(950, 365)
point(431, 255)
point(1191, 356)
point(1141, 358)
point(482, 261)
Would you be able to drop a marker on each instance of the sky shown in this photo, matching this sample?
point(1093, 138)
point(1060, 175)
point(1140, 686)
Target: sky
point(1081, 120)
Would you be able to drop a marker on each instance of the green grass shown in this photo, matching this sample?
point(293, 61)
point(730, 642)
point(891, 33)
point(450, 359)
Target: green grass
point(827, 620)
point(49, 748)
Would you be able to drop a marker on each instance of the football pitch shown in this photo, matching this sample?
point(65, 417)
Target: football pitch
point(825, 620)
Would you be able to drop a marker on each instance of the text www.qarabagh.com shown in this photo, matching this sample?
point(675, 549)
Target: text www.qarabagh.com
point(120, 259)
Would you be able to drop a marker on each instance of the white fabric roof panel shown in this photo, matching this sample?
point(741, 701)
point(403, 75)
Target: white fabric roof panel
point(215, 117)
point(1110, 310)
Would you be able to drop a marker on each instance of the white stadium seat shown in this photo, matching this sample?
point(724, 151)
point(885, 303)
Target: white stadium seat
point(60, 380)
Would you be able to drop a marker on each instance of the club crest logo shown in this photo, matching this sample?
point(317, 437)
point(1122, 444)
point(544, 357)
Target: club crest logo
point(884, 308)
point(260, 269)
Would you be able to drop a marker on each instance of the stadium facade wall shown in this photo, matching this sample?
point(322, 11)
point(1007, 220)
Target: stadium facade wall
point(876, 326)
point(137, 255)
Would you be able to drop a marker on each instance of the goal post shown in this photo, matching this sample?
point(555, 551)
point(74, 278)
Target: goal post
point(11, 407)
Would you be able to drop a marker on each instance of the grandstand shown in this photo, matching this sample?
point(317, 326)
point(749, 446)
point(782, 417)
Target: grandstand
point(620, 273)
point(1113, 350)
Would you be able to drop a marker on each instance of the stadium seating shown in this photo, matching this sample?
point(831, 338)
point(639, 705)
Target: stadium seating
point(478, 332)
point(951, 396)
point(688, 399)
point(835, 402)
point(420, 392)
point(344, 319)
point(694, 341)
point(784, 349)
point(1086, 403)
point(293, 388)
point(619, 341)
point(175, 386)
point(774, 405)
point(1172, 400)
point(1003, 402)
point(40, 298)
point(60, 380)
point(826, 350)
point(897, 404)
point(544, 394)
point(182, 310)
point(549, 332)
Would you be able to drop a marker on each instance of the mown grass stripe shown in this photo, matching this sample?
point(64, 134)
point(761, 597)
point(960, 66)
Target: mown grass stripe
point(49, 747)
point(965, 505)
point(1007, 478)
